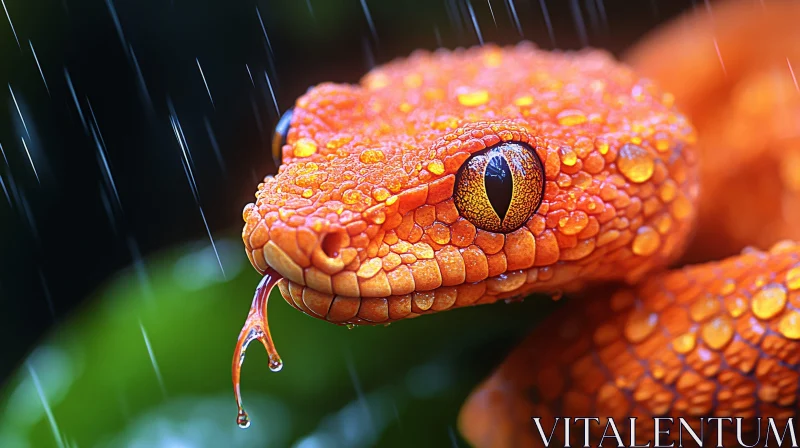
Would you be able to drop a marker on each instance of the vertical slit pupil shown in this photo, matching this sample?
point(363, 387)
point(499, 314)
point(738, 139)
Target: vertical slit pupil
point(499, 185)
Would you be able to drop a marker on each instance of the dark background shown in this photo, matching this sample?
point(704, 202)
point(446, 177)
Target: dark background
point(130, 62)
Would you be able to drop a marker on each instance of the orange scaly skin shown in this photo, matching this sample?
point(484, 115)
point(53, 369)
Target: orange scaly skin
point(361, 223)
point(712, 340)
point(360, 219)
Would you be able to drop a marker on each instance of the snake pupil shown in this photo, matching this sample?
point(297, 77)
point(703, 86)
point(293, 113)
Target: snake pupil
point(279, 138)
point(499, 185)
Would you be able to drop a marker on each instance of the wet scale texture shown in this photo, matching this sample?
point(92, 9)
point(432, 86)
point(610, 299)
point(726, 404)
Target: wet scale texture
point(713, 340)
point(361, 224)
point(361, 221)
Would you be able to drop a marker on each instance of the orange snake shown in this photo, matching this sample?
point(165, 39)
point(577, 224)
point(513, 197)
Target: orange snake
point(458, 178)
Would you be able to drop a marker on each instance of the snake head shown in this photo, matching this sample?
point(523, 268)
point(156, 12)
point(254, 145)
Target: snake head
point(462, 177)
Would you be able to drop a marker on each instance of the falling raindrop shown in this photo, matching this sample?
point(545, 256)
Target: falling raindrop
point(369, 57)
point(250, 74)
point(580, 26)
point(153, 359)
point(113, 11)
point(39, 66)
point(50, 418)
point(719, 56)
point(10, 23)
point(512, 9)
point(187, 168)
point(214, 145)
point(264, 30)
point(145, 93)
point(272, 93)
point(102, 156)
point(491, 11)
point(547, 22)
point(362, 399)
point(791, 71)
point(310, 9)
point(47, 297)
point(16, 104)
point(369, 20)
point(75, 100)
point(601, 10)
point(24, 145)
point(205, 82)
point(5, 190)
point(475, 22)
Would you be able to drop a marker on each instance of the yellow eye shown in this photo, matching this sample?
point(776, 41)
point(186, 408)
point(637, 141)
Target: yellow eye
point(499, 188)
point(280, 135)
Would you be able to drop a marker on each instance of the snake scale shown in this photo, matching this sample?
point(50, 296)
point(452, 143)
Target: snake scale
point(464, 177)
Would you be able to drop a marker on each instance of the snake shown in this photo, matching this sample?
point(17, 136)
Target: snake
point(454, 178)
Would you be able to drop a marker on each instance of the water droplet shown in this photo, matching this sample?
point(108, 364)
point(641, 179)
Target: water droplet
point(728, 287)
point(668, 191)
point(658, 371)
point(436, 167)
point(568, 156)
point(793, 278)
point(789, 325)
point(640, 325)
point(350, 197)
point(242, 419)
point(522, 101)
point(350, 326)
point(380, 194)
point(703, 308)
point(684, 343)
point(371, 156)
point(574, 223)
point(635, 163)
point(471, 98)
point(304, 147)
point(275, 364)
point(571, 117)
point(662, 143)
point(737, 305)
point(602, 145)
point(681, 207)
point(646, 242)
point(623, 383)
point(769, 301)
point(256, 327)
point(717, 332)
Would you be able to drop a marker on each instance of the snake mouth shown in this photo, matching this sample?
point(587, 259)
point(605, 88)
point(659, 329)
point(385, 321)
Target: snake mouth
point(358, 310)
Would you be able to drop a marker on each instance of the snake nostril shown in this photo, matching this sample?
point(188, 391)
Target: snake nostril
point(332, 243)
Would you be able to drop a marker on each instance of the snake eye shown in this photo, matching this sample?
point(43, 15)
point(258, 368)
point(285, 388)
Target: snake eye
point(499, 188)
point(279, 138)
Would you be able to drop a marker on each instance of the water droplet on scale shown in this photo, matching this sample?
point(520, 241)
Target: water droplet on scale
point(255, 327)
